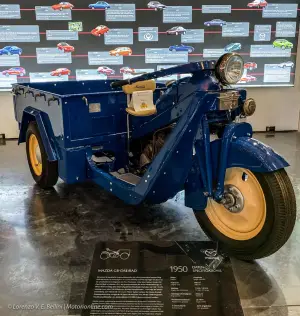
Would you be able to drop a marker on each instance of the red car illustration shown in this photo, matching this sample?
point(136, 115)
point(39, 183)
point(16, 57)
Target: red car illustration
point(19, 71)
point(127, 70)
point(121, 51)
point(257, 4)
point(100, 30)
point(105, 70)
point(63, 6)
point(247, 79)
point(65, 47)
point(60, 72)
point(250, 65)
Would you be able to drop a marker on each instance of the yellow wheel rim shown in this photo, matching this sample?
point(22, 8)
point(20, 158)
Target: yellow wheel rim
point(250, 220)
point(35, 155)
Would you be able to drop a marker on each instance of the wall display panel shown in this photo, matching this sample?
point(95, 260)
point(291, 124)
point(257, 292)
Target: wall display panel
point(88, 39)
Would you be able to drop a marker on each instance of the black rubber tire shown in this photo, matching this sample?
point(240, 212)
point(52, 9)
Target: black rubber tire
point(279, 225)
point(49, 175)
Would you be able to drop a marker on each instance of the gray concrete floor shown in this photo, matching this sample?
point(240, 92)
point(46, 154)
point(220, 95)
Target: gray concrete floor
point(47, 239)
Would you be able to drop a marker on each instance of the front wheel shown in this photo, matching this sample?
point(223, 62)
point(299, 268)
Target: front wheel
point(258, 217)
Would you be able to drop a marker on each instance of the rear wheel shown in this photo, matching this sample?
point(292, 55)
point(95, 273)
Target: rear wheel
point(44, 172)
point(258, 216)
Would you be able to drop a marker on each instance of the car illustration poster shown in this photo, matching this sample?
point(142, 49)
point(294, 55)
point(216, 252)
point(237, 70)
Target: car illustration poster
point(99, 40)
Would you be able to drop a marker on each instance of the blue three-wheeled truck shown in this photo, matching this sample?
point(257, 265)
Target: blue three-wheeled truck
point(147, 141)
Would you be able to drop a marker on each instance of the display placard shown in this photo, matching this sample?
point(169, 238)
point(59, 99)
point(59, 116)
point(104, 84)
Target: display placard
point(79, 36)
point(161, 279)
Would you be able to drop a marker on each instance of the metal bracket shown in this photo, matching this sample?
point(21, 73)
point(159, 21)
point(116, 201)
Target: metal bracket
point(53, 99)
point(39, 95)
point(85, 100)
point(29, 92)
point(16, 91)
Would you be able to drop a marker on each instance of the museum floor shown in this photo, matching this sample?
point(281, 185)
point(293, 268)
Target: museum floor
point(47, 239)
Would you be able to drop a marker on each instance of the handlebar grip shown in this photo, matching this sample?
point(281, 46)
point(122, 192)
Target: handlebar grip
point(120, 83)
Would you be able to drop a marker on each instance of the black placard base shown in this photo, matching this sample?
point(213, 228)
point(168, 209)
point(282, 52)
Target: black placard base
point(161, 279)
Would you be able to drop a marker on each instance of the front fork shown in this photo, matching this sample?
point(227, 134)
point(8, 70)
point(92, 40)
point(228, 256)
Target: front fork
point(213, 180)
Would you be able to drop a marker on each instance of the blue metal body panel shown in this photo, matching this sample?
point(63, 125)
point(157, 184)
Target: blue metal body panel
point(72, 132)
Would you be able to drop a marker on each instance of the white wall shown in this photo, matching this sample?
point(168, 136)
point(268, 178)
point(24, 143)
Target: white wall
point(8, 124)
point(279, 107)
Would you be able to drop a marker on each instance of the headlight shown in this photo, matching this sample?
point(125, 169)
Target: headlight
point(230, 68)
point(249, 107)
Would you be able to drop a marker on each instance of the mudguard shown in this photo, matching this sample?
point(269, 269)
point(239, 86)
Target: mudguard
point(244, 152)
point(249, 153)
point(30, 114)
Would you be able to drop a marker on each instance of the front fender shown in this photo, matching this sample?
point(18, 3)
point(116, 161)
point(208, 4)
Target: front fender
point(249, 153)
point(244, 152)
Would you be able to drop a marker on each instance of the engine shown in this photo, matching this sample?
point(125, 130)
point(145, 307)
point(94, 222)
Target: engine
point(149, 149)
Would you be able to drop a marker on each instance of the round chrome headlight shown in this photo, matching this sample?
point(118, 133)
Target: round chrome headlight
point(230, 68)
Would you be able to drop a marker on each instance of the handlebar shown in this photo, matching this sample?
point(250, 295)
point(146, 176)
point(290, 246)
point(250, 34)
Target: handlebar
point(181, 69)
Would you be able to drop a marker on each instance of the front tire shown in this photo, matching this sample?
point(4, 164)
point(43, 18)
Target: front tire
point(266, 221)
point(44, 172)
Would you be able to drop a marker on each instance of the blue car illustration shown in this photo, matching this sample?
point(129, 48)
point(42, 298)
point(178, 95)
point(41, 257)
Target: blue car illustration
point(11, 50)
point(181, 48)
point(217, 22)
point(232, 47)
point(99, 5)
